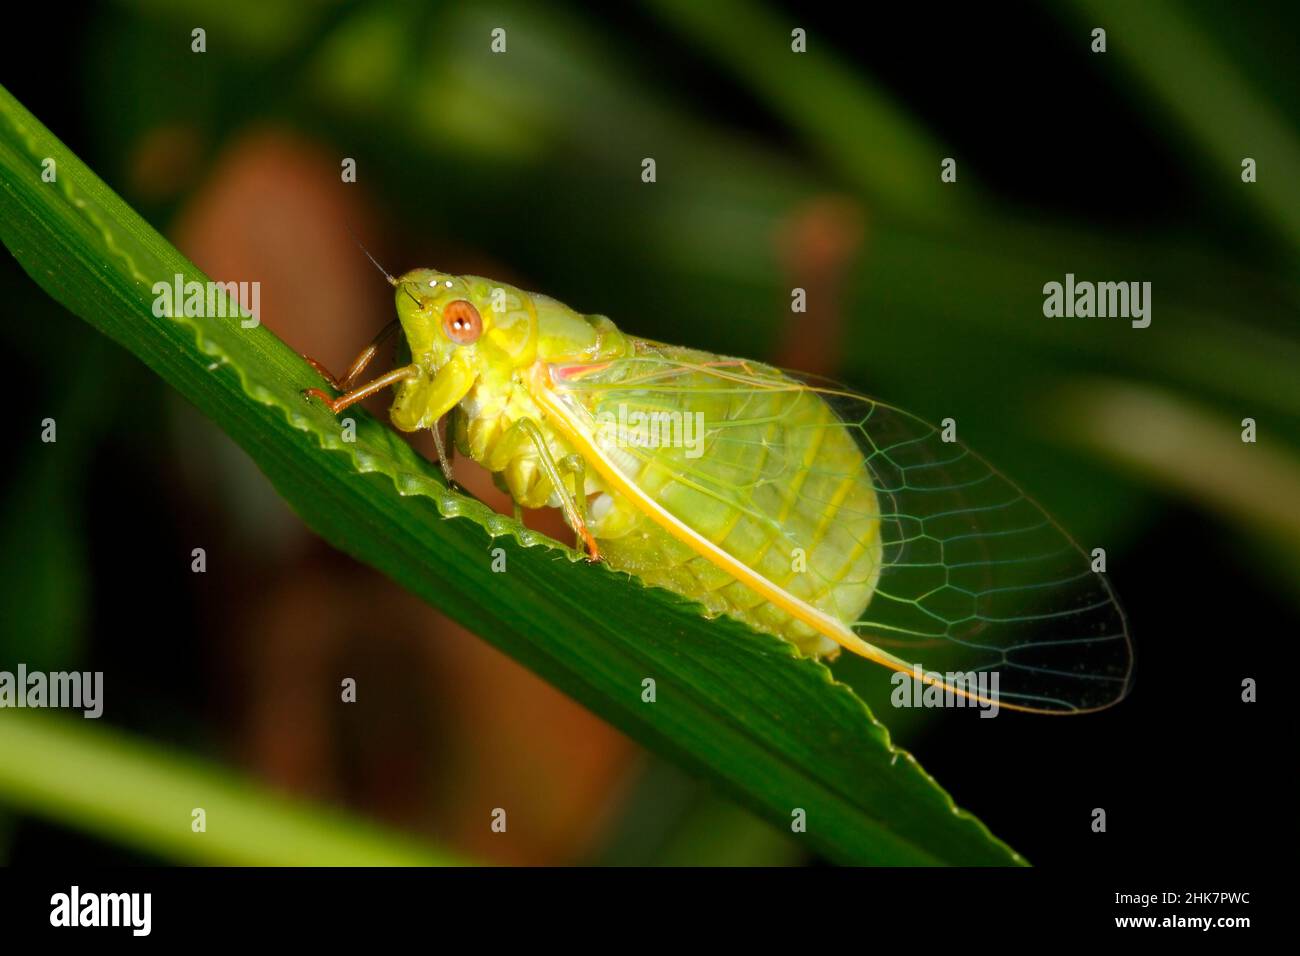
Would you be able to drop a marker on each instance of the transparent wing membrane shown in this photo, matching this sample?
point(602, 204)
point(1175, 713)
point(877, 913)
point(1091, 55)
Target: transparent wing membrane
point(977, 577)
point(947, 566)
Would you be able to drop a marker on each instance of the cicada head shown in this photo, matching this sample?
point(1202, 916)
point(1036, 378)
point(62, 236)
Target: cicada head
point(462, 331)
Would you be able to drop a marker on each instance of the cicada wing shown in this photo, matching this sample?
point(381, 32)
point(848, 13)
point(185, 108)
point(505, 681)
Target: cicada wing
point(977, 577)
point(970, 576)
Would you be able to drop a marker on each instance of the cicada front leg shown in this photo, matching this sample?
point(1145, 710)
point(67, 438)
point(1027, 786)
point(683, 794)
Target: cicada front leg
point(347, 399)
point(351, 395)
point(359, 363)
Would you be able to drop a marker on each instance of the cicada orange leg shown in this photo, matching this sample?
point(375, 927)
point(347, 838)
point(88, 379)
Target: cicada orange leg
point(359, 363)
point(347, 399)
point(345, 384)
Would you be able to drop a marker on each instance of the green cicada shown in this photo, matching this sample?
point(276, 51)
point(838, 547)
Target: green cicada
point(805, 510)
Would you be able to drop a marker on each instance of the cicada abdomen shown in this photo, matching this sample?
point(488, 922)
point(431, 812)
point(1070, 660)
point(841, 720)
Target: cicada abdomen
point(765, 474)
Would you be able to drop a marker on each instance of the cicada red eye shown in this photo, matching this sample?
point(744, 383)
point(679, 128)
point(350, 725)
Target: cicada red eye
point(461, 322)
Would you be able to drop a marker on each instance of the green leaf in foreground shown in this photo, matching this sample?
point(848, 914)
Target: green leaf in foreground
point(774, 731)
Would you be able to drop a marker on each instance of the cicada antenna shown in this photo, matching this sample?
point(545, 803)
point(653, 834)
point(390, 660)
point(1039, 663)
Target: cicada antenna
point(373, 260)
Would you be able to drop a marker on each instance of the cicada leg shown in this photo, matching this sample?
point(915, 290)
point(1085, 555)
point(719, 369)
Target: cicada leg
point(576, 466)
point(448, 448)
point(347, 399)
point(568, 502)
point(359, 363)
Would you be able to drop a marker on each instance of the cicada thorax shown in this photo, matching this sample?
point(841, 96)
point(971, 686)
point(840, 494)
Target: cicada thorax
point(807, 517)
point(502, 427)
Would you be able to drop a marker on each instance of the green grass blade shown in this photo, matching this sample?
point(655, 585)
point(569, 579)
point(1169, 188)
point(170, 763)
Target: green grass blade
point(100, 780)
point(771, 730)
